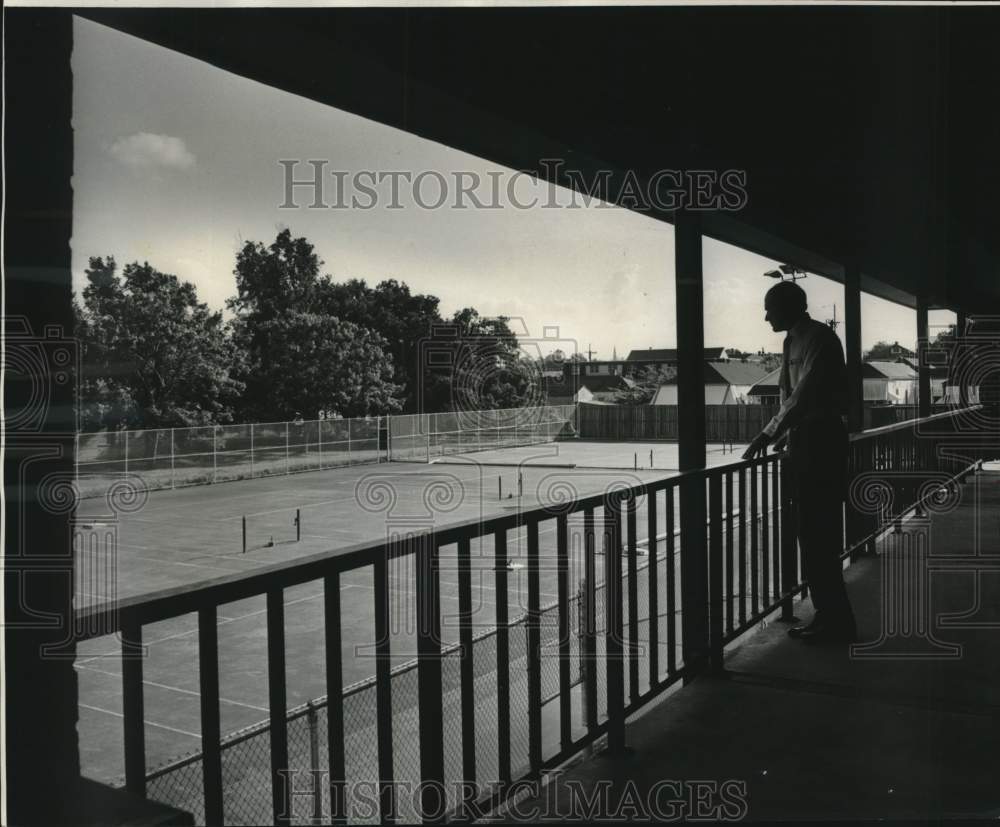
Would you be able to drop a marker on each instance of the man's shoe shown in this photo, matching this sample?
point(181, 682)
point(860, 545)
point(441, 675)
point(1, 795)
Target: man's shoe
point(829, 634)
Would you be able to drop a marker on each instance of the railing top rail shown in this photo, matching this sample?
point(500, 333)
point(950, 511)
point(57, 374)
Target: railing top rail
point(167, 603)
point(172, 602)
point(909, 423)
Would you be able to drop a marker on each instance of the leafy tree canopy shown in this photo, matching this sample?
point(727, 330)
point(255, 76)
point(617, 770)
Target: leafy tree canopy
point(153, 355)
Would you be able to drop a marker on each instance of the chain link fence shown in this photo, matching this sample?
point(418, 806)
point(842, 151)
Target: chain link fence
point(423, 437)
point(176, 457)
point(246, 754)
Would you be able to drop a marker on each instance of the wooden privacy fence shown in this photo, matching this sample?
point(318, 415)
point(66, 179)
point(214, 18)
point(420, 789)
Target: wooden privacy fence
point(723, 423)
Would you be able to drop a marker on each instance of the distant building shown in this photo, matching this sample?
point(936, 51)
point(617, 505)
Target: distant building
point(637, 361)
point(893, 383)
point(766, 391)
point(726, 383)
point(601, 388)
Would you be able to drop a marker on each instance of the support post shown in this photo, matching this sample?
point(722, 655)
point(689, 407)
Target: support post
point(691, 433)
point(923, 370)
point(852, 330)
point(171, 457)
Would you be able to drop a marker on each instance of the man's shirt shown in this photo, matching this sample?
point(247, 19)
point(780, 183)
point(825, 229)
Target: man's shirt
point(813, 379)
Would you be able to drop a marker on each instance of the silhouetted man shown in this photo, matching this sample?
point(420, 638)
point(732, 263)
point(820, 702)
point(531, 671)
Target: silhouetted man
point(810, 422)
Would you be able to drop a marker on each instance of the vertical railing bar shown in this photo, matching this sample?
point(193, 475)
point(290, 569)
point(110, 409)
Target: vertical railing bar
point(503, 654)
point(716, 592)
point(776, 526)
point(613, 625)
point(281, 798)
point(589, 643)
point(789, 543)
point(742, 544)
point(730, 529)
point(633, 600)
point(211, 733)
point(383, 689)
point(754, 542)
point(429, 682)
point(335, 699)
point(533, 622)
point(133, 712)
point(467, 666)
point(562, 590)
point(765, 519)
point(654, 602)
point(670, 496)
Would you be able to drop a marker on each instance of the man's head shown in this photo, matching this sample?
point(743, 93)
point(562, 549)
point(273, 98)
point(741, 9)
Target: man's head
point(784, 305)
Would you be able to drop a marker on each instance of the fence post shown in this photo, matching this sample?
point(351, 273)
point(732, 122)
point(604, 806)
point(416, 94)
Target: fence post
point(251, 450)
point(126, 452)
point(171, 457)
point(288, 467)
point(319, 439)
point(76, 462)
point(313, 721)
point(215, 453)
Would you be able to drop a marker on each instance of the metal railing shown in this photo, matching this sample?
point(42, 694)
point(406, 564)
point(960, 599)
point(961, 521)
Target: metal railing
point(744, 567)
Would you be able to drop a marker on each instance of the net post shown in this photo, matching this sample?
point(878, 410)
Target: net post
point(298, 524)
point(244, 533)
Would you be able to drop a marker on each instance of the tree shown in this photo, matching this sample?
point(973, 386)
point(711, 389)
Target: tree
point(490, 371)
point(300, 356)
point(884, 351)
point(153, 355)
point(318, 362)
point(645, 385)
point(403, 318)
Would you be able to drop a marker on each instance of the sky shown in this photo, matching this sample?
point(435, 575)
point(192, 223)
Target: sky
point(177, 163)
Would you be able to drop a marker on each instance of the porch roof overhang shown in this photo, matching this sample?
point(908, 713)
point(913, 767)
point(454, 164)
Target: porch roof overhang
point(858, 143)
point(861, 137)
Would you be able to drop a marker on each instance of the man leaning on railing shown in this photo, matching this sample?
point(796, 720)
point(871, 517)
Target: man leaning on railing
point(811, 424)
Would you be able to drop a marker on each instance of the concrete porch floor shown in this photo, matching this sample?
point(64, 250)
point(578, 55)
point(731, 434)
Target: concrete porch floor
point(819, 732)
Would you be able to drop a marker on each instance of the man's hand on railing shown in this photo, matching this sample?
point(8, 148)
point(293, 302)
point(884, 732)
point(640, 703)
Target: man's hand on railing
point(758, 446)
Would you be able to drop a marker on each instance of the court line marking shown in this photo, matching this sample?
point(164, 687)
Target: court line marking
point(145, 720)
point(195, 630)
point(173, 688)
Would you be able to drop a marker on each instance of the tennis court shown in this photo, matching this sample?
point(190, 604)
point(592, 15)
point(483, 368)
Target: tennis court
point(196, 533)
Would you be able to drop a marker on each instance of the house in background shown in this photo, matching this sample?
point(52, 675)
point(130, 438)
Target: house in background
point(766, 391)
point(601, 388)
point(636, 361)
point(726, 383)
point(892, 383)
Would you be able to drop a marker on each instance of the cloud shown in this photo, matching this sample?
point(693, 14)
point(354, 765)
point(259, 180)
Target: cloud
point(145, 150)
